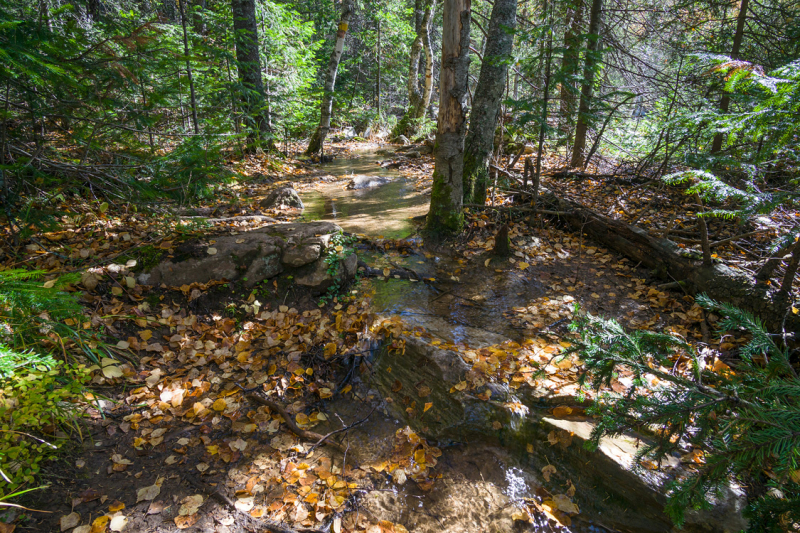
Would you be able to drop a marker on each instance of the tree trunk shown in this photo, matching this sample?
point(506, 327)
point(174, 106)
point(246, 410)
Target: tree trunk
point(569, 67)
point(315, 145)
point(593, 42)
point(725, 102)
point(486, 102)
point(378, 57)
point(198, 19)
point(249, 65)
point(445, 215)
point(418, 101)
point(189, 68)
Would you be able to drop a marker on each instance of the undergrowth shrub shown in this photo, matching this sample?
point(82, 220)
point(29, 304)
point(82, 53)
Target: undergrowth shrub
point(37, 393)
point(745, 419)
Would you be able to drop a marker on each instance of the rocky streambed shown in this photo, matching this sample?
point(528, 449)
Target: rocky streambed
point(511, 453)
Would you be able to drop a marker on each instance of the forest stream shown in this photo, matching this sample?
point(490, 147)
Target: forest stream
point(487, 475)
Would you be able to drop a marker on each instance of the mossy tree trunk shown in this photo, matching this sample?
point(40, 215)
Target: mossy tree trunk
point(248, 63)
point(445, 215)
point(326, 108)
point(486, 103)
point(418, 100)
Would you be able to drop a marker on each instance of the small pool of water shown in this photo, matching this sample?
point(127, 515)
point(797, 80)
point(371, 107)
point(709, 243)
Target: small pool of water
point(384, 211)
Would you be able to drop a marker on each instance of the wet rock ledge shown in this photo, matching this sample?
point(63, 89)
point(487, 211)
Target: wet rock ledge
point(533, 425)
point(254, 256)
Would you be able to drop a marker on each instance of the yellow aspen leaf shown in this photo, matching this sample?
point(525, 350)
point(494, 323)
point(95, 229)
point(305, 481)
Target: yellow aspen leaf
point(427, 406)
point(219, 405)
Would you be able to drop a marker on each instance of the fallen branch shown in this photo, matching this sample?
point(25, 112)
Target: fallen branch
point(240, 218)
point(517, 208)
point(302, 433)
point(666, 259)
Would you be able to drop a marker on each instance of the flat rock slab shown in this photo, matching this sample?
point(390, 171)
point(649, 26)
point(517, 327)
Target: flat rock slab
point(368, 182)
point(252, 257)
point(610, 490)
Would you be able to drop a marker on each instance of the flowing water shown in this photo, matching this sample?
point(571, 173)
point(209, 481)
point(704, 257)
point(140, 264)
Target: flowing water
point(480, 482)
point(377, 211)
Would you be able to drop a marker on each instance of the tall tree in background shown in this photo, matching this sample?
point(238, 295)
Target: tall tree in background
point(418, 101)
point(725, 102)
point(315, 145)
point(445, 215)
point(249, 66)
point(589, 68)
point(570, 63)
point(486, 103)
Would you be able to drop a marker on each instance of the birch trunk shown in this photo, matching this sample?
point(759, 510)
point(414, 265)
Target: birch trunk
point(445, 215)
point(315, 145)
point(593, 42)
point(486, 102)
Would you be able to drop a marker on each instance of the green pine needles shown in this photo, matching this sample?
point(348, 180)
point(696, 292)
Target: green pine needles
point(745, 419)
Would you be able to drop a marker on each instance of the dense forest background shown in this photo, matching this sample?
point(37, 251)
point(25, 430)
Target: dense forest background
point(116, 112)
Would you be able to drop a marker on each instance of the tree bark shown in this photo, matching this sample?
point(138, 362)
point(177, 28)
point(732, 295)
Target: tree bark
point(445, 215)
point(189, 68)
point(725, 102)
point(666, 259)
point(486, 102)
point(315, 145)
point(248, 62)
point(378, 61)
point(198, 19)
point(584, 107)
point(569, 67)
point(418, 100)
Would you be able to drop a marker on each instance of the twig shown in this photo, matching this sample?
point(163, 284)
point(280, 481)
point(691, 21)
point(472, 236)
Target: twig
point(302, 433)
point(345, 428)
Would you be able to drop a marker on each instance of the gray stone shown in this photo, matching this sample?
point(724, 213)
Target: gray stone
point(282, 198)
point(367, 182)
point(425, 149)
point(316, 277)
point(252, 256)
point(610, 491)
point(404, 140)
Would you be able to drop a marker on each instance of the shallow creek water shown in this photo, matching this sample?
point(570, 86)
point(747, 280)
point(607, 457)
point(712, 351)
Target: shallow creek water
point(480, 481)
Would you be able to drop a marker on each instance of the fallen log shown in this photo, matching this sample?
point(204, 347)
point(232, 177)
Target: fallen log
point(668, 260)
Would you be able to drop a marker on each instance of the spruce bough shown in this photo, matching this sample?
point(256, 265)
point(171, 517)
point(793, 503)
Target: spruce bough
point(745, 419)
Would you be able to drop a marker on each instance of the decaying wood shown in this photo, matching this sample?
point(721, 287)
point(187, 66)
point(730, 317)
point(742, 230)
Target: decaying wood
point(720, 282)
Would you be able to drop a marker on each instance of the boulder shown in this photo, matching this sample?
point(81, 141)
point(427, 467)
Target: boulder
point(402, 139)
point(282, 198)
point(367, 182)
point(425, 149)
point(251, 257)
point(318, 278)
point(610, 491)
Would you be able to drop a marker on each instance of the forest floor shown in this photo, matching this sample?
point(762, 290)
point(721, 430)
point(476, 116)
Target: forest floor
point(174, 439)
